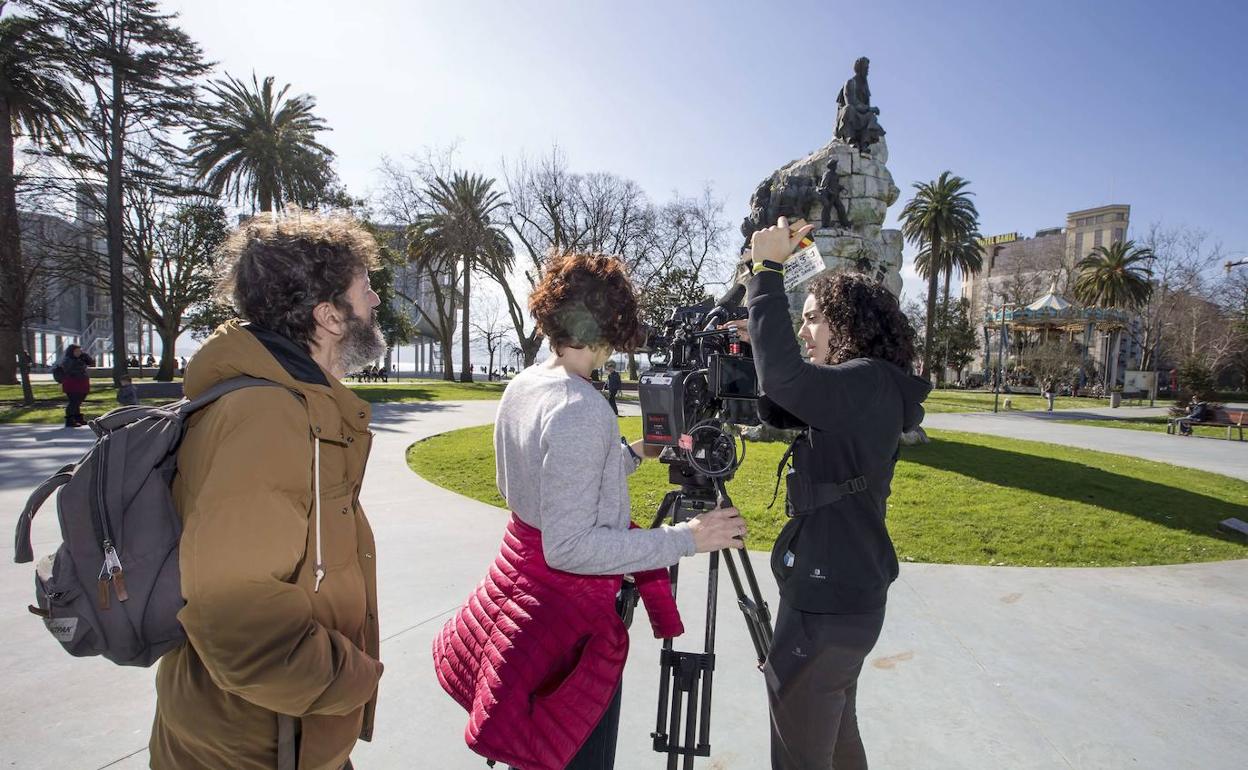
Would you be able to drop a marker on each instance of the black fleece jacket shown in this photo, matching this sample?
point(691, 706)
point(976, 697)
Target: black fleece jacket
point(837, 557)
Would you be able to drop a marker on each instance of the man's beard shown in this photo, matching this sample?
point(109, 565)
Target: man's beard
point(363, 342)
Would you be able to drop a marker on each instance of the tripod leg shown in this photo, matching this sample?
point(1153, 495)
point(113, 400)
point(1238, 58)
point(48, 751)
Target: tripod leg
point(757, 617)
point(691, 726)
point(674, 730)
point(663, 740)
point(764, 614)
point(712, 606)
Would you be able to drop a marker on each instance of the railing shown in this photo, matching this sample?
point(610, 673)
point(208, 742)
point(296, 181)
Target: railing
point(97, 338)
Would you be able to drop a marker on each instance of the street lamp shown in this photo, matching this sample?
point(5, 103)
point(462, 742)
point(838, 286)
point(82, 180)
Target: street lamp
point(996, 392)
point(1235, 263)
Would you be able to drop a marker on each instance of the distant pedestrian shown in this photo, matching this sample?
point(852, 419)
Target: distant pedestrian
point(75, 379)
point(127, 394)
point(613, 386)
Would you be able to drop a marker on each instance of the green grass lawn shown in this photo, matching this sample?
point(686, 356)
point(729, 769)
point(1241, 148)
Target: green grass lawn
point(1154, 424)
point(962, 499)
point(428, 390)
point(49, 406)
point(979, 401)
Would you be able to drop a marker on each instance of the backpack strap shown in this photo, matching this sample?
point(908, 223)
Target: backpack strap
point(189, 406)
point(22, 551)
point(805, 496)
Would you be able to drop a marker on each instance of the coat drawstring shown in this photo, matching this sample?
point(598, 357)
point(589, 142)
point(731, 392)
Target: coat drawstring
point(319, 569)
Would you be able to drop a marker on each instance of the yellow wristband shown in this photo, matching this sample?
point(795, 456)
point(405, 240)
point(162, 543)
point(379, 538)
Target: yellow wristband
point(760, 268)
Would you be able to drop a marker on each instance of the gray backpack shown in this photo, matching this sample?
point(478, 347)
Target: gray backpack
point(113, 588)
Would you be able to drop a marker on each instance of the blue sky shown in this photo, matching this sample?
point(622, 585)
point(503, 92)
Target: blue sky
point(1046, 107)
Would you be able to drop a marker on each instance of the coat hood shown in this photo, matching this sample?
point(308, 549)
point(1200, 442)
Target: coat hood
point(914, 392)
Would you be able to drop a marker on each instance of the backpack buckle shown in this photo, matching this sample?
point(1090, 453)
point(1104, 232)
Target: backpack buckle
point(857, 484)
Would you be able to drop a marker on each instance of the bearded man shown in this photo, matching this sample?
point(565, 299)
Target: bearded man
point(281, 666)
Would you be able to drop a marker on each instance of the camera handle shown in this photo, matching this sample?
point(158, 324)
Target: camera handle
point(686, 678)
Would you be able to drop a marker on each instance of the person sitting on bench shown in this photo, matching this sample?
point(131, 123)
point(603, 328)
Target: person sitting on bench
point(1197, 411)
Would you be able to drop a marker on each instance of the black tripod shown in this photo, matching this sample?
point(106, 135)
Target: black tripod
point(686, 677)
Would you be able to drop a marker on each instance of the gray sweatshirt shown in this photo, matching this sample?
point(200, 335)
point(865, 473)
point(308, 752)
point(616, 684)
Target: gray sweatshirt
point(562, 468)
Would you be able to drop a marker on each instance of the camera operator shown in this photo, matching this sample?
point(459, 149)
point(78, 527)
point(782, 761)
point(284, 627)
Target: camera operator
point(834, 560)
point(546, 616)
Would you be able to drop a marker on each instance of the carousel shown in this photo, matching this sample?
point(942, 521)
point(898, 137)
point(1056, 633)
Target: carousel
point(1053, 317)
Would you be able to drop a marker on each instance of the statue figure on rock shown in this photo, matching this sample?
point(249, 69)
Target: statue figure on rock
point(796, 197)
point(857, 122)
point(793, 198)
point(829, 191)
point(760, 210)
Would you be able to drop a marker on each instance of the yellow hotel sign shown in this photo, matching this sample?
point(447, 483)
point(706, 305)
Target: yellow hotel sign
point(996, 239)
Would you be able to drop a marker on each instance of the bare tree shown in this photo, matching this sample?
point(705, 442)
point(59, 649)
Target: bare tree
point(1181, 259)
point(554, 209)
point(170, 239)
point(490, 330)
point(689, 235)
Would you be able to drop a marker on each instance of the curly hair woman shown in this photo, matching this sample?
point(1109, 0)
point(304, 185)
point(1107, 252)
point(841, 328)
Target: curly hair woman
point(853, 396)
point(536, 654)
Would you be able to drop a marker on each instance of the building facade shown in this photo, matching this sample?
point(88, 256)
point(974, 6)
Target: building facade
point(65, 308)
point(1018, 270)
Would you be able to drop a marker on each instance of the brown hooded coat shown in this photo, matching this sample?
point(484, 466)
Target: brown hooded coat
point(264, 641)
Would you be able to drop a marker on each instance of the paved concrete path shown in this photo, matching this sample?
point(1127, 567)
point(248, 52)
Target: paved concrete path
point(977, 667)
point(1210, 454)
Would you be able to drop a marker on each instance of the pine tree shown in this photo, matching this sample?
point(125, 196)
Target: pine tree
point(138, 70)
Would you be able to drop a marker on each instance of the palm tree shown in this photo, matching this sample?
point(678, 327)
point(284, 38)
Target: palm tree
point(1114, 276)
point(261, 146)
point(940, 213)
point(38, 103)
point(464, 223)
point(966, 256)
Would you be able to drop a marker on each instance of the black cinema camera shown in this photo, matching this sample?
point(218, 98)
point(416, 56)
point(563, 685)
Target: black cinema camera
point(702, 386)
point(703, 382)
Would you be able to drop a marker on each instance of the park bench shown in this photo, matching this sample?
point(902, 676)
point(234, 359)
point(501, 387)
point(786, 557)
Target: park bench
point(1231, 419)
point(158, 390)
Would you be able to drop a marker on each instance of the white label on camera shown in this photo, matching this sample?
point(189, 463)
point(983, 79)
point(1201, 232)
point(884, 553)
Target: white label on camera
point(657, 379)
point(802, 266)
point(62, 628)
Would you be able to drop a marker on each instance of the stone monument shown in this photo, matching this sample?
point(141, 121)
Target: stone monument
point(864, 189)
point(850, 235)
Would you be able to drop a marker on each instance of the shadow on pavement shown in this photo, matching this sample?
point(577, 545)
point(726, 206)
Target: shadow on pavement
point(24, 470)
point(1168, 506)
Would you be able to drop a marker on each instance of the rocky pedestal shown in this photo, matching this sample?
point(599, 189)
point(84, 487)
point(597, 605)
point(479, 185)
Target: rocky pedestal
point(864, 247)
point(867, 192)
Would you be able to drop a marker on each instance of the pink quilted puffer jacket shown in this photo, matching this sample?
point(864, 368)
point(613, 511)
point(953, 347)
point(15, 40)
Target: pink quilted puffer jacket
point(535, 654)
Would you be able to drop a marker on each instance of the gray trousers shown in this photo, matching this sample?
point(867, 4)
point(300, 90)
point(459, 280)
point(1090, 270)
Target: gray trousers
point(812, 680)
